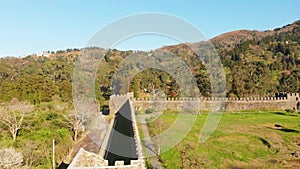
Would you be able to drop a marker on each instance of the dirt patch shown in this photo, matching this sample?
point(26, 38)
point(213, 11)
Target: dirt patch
point(273, 126)
point(296, 140)
point(294, 163)
point(86, 143)
point(261, 164)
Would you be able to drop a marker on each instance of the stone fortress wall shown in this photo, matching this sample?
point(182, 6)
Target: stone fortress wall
point(88, 160)
point(281, 101)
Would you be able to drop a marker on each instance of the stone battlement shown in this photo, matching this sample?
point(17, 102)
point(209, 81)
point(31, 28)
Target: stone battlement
point(289, 96)
point(209, 98)
point(88, 160)
point(281, 101)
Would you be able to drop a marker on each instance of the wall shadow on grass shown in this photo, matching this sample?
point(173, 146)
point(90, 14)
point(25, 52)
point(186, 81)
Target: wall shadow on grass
point(288, 130)
point(280, 113)
point(285, 130)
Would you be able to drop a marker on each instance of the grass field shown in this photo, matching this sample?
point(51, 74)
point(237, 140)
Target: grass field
point(242, 140)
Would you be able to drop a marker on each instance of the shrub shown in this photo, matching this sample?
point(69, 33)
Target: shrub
point(290, 111)
point(149, 111)
point(10, 158)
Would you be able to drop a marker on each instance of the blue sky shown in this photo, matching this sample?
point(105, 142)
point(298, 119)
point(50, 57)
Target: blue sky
point(32, 26)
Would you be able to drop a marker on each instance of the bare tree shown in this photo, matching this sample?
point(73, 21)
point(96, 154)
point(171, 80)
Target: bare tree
point(32, 153)
point(12, 115)
point(82, 118)
point(10, 159)
point(76, 122)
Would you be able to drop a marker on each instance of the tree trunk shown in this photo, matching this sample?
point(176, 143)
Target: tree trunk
point(75, 134)
point(14, 135)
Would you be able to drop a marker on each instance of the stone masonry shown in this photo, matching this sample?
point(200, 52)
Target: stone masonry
point(291, 101)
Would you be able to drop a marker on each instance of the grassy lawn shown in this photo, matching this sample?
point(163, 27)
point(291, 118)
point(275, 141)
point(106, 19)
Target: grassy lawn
point(242, 140)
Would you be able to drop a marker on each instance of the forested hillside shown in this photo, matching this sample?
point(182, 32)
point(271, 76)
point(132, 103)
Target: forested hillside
point(256, 63)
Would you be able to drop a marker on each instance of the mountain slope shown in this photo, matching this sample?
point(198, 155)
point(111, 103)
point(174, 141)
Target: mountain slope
point(255, 62)
point(229, 39)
